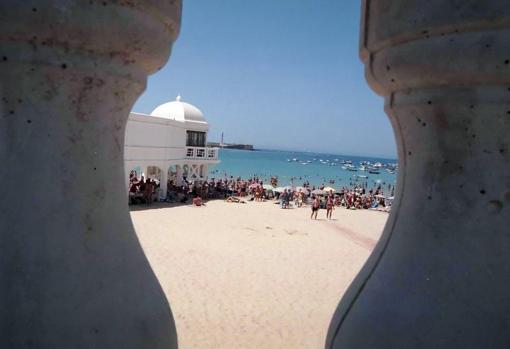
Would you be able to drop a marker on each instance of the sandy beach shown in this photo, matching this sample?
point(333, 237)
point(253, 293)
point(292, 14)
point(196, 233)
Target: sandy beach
point(253, 275)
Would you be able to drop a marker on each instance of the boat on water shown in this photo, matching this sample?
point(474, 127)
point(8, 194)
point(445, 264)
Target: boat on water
point(374, 171)
point(362, 168)
point(362, 176)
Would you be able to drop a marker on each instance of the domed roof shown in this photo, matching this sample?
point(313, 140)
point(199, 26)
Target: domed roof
point(180, 111)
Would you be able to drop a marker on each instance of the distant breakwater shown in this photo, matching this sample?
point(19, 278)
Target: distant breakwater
point(231, 146)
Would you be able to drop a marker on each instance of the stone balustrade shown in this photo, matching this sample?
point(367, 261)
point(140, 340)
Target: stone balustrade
point(72, 272)
point(201, 153)
point(440, 275)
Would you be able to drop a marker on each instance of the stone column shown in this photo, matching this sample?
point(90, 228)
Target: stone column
point(72, 272)
point(205, 172)
point(163, 183)
point(440, 276)
point(178, 180)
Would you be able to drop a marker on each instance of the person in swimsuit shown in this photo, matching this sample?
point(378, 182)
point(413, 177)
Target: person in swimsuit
point(234, 199)
point(329, 207)
point(315, 207)
point(197, 201)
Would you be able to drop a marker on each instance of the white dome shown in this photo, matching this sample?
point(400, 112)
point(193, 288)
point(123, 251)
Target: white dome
point(180, 111)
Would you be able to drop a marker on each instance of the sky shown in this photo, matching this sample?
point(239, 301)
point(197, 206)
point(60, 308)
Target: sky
point(278, 74)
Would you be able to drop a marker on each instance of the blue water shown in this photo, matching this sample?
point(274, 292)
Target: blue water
point(267, 163)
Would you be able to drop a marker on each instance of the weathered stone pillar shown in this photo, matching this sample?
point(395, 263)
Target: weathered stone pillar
point(440, 276)
point(72, 272)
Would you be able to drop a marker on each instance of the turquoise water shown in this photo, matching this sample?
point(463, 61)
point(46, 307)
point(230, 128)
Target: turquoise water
point(267, 163)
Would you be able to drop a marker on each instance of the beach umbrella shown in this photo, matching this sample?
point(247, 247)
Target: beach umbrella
point(254, 185)
point(329, 189)
point(282, 189)
point(303, 189)
point(318, 192)
point(268, 187)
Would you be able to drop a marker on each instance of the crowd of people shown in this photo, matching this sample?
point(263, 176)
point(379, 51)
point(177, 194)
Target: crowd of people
point(238, 190)
point(356, 197)
point(142, 190)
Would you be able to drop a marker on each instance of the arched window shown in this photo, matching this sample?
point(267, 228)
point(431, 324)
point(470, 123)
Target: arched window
point(172, 173)
point(154, 172)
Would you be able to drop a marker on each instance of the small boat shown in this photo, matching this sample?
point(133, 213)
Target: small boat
point(362, 176)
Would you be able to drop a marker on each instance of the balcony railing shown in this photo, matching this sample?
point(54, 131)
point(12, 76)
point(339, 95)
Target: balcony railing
point(205, 153)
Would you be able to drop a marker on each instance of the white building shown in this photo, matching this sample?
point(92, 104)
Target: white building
point(169, 144)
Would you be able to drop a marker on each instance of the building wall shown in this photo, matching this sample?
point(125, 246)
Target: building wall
point(161, 142)
point(154, 139)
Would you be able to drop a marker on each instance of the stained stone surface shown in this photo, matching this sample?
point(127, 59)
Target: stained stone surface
point(72, 272)
point(440, 276)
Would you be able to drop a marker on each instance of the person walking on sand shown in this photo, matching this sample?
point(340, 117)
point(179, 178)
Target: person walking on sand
point(329, 207)
point(315, 207)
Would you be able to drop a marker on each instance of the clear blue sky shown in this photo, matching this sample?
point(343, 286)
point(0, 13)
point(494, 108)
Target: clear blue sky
point(279, 74)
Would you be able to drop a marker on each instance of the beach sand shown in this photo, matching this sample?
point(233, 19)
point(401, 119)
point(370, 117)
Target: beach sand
point(253, 275)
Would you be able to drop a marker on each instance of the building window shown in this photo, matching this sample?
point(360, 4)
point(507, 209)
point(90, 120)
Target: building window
point(200, 153)
point(195, 139)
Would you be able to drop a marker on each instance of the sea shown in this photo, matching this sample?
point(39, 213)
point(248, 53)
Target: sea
point(294, 168)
